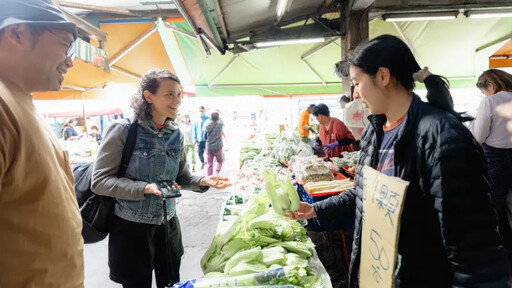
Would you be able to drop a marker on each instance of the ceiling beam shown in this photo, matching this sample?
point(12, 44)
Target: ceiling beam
point(95, 8)
point(360, 5)
point(233, 38)
point(218, 10)
point(86, 28)
point(181, 8)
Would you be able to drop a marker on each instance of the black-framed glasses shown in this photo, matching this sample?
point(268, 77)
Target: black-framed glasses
point(71, 48)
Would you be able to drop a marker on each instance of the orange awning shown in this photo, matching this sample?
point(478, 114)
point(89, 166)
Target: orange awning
point(137, 57)
point(502, 57)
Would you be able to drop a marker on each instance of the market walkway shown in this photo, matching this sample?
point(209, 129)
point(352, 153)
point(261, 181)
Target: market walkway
point(199, 215)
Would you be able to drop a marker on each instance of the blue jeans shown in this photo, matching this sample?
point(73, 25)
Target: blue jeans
point(201, 147)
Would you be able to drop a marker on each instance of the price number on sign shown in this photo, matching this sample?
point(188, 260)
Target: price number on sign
point(379, 255)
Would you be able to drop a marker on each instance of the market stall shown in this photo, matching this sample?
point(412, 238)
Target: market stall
point(255, 244)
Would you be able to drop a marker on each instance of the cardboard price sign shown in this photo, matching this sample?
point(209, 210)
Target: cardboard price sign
point(382, 207)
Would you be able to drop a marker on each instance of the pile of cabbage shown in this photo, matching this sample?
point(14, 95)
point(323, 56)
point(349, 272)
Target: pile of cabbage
point(260, 248)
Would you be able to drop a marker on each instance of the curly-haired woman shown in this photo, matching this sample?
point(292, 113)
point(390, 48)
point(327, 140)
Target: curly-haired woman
point(137, 241)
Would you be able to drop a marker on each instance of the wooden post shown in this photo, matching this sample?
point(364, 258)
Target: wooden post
point(356, 31)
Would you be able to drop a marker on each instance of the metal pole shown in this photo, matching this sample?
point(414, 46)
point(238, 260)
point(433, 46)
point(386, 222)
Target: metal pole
point(314, 72)
point(271, 85)
point(124, 72)
point(320, 47)
point(420, 31)
point(132, 45)
point(223, 70)
point(181, 31)
point(207, 39)
point(403, 36)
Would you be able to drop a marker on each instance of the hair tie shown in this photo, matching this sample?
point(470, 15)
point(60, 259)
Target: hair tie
point(421, 75)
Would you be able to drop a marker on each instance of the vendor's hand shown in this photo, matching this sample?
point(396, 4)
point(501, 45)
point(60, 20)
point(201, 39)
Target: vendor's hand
point(306, 211)
point(329, 147)
point(152, 188)
point(215, 182)
point(505, 110)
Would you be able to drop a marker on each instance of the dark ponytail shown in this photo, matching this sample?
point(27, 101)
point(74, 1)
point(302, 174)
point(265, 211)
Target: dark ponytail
point(392, 53)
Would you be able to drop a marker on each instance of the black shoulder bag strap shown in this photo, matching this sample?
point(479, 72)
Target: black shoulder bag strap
point(129, 146)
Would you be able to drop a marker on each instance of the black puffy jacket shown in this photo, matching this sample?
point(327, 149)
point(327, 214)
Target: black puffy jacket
point(448, 234)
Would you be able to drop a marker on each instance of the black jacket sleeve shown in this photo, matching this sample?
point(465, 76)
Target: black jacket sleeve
point(458, 185)
point(346, 141)
point(332, 208)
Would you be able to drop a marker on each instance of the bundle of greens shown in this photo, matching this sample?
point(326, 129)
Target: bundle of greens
point(284, 151)
point(260, 248)
point(257, 226)
point(283, 196)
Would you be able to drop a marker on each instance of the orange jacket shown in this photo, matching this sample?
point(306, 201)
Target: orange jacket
point(304, 120)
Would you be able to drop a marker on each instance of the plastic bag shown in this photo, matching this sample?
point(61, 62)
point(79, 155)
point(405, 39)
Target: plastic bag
point(355, 117)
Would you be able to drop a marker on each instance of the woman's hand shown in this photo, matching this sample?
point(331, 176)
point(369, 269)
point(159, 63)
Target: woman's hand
point(306, 211)
point(152, 188)
point(215, 182)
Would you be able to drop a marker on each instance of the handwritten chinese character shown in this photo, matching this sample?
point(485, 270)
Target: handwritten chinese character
point(391, 205)
point(381, 197)
point(376, 274)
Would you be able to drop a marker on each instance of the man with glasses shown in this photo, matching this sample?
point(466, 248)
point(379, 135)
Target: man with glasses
point(40, 225)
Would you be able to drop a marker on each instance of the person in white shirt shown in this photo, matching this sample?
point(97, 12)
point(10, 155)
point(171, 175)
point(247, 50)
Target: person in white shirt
point(490, 130)
point(187, 129)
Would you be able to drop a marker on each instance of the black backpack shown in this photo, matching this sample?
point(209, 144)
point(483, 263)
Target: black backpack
point(96, 210)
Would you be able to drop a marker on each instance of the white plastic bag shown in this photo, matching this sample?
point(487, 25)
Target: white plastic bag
point(355, 117)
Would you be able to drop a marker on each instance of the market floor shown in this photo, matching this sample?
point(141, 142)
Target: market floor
point(199, 215)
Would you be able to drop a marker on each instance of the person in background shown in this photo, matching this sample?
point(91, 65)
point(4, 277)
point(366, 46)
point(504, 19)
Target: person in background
point(334, 136)
point(213, 134)
point(223, 127)
point(95, 133)
point(137, 241)
point(448, 229)
point(69, 132)
point(490, 130)
point(505, 110)
point(188, 141)
point(303, 126)
point(40, 240)
point(199, 139)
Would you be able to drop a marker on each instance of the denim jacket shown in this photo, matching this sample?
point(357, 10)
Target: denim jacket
point(158, 156)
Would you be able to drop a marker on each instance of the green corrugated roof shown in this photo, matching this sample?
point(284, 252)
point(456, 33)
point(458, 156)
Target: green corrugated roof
point(448, 47)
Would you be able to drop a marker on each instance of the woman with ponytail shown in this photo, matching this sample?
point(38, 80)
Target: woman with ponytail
point(448, 234)
point(490, 130)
